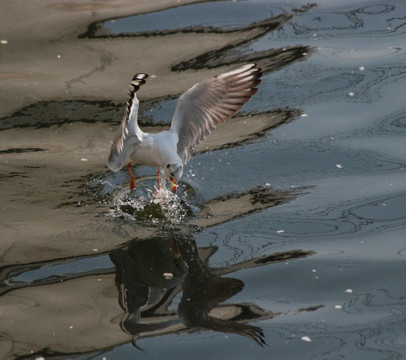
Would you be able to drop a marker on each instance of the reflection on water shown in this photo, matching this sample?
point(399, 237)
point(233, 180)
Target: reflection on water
point(226, 16)
point(150, 275)
point(268, 19)
point(288, 227)
point(165, 283)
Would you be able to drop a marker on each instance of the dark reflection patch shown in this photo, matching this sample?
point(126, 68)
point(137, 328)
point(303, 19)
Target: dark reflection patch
point(207, 17)
point(20, 150)
point(50, 113)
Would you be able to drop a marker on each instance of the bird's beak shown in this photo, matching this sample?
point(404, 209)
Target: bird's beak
point(174, 185)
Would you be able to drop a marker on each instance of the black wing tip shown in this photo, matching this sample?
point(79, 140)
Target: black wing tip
point(253, 67)
point(246, 70)
point(258, 71)
point(254, 91)
point(138, 80)
point(140, 76)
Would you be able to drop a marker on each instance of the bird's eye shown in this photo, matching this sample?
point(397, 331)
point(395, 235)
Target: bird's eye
point(167, 166)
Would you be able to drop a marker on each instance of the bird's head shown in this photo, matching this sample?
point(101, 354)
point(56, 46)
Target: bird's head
point(174, 172)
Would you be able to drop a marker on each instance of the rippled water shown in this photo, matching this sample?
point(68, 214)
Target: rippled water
point(293, 237)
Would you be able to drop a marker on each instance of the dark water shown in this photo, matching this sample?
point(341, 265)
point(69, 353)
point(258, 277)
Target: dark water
point(307, 257)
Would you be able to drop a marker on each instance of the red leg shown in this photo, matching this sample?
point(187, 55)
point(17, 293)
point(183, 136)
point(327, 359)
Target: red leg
point(159, 179)
point(132, 181)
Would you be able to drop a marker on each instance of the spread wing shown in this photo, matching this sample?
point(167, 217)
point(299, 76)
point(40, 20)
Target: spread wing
point(209, 103)
point(127, 136)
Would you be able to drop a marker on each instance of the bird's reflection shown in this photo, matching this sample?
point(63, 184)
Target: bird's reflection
point(147, 272)
point(203, 292)
point(152, 275)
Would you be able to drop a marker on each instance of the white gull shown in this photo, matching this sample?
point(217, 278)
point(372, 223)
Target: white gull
point(198, 111)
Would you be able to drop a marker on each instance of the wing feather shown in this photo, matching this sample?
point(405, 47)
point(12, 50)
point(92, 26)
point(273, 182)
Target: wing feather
point(207, 104)
point(128, 131)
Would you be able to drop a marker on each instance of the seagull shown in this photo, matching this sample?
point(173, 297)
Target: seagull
point(198, 112)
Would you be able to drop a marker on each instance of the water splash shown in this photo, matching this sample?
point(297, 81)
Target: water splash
point(155, 206)
point(146, 204)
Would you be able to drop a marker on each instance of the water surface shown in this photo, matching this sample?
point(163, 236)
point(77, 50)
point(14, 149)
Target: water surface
point(287, 242)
